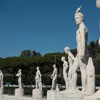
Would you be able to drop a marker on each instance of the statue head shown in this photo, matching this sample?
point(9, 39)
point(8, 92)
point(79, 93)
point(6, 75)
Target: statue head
point(19, 70)
point(54, 65)
point(62, 58)
point(98, 3)
point(37, 68)
point(66, 50)
point(79, 17)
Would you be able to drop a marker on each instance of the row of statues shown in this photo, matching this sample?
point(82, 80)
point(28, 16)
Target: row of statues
point(82, 61)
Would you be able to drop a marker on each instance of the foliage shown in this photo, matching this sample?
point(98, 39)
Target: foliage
point(29, 60)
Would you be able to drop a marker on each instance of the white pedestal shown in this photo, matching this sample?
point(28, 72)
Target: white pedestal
point(95, 96)
point(37, 94)
point(19, 92)
point(1, 91)
point(51, 95)
point(63, 95)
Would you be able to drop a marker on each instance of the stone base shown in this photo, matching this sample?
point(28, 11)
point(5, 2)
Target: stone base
point(1, 91)
point(95, 96)
point(51, 95)
point(64, 95)
point(7, 97)
point(19, 92)
point(37, 94)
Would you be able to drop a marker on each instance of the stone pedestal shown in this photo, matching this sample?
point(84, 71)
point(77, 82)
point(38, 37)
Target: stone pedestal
point(37, 94)
point(51, 95)
point(95, 96)
point(64, 95)
point(1, 91)
point(19, 92)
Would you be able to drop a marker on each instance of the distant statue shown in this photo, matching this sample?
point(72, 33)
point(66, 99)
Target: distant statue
point(1, 79)
point(19, 75)
point(90, 76)
point(54, 78)
point(81, 59)
point(38, 79)
point(98, 3)
point(65, 67)
point(99, 42)
point(70, 61)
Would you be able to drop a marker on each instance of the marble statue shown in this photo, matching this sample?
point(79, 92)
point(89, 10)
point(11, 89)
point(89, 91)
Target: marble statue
point(19, 75)
point(99, 42)
point(70, 61)
point(90, 76)
point(81, 59)
point(98, 3)
point(38, 79)
point(54, 78)
point(65, 67)
point(1, 79)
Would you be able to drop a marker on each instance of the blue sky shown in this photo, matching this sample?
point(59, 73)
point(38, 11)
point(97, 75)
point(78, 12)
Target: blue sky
point(43, 25)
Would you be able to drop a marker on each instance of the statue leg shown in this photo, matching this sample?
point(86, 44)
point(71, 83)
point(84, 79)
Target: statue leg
point(70, 77)
point(83, 75)
point(40, 85)
point(74, 73)
point(20, 83)
point(54, 83)
point(36, 84)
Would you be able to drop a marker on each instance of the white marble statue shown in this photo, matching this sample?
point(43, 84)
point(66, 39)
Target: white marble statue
point(38, 79)
point(90, 76)
point(1, 79)
point(19, 75)
point(70, 61)
point(65, 75)
point(98, 3)
point(54, 78)
point(81, 59)
point(99, 42)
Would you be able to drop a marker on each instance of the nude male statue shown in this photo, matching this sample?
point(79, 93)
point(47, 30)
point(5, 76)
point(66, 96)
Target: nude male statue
point(54, 78)
point(38, 79)
point(82, 53)
point(1, 79)
point(19, 75)
point(65, 76)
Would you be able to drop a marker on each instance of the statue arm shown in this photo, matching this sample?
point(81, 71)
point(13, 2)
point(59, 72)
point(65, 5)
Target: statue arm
point(71, 55)
point(83, 41)
point(18, 74)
